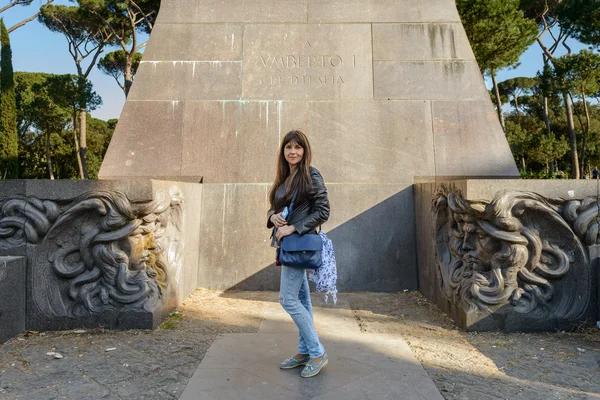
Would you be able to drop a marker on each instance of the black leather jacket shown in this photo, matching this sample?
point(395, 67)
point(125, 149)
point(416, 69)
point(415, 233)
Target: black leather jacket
point(311, 213)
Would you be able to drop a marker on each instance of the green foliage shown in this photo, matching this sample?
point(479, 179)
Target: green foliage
point(578, 73)
point(114, 64)
point(582, 19)
point(45, 106)
point(9, 166)
point(497, 30)
point(516, 87)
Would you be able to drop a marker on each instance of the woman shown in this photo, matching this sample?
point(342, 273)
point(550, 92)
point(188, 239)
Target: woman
point(299, 187)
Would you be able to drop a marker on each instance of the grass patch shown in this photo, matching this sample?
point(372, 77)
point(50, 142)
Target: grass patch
point(172, 321)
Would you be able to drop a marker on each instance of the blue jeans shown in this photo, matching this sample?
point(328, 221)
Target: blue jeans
point(294, 296)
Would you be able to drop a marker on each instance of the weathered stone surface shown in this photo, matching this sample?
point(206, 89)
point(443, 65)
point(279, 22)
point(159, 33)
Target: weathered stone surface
point(390, 140)
point(195, 42)
point(412, 42)
point(373, 121)
point(12, 300)
point(307, 62)
point(237, 253)
point(545, 279)
point(243, 140)
point(373, 254)
point(236, 250)
point(136, 190)
point(139, 145)
point(210, 11)
point(188, 80)
point(382, 11)
point(462, 130)
point(97, 258)
point(434, 80)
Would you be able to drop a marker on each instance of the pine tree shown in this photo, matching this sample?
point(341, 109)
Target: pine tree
point(9, 163)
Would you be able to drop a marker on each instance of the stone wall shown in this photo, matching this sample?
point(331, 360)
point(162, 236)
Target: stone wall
point(510, 255)
point(115, 254)
point(12, 301)
point(387, 91)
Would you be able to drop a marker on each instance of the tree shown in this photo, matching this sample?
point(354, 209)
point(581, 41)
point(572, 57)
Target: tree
point(9, 154)
point(115, 65)
point(515, 87)
point(124, 19)
point(87, 38)
point(45, 113)
point(580, 74)
point(13, 3)
point(582, 19)
point(499, 33)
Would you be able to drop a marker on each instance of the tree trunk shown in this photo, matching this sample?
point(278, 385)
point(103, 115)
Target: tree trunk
point(128, 74)
point(82, 140)
point(586, 131)
point(76, 141)
point(498, 100)
point(517, 107)
point(548, 128)
point(48, 157)
point(523, 164)
point(572, 137)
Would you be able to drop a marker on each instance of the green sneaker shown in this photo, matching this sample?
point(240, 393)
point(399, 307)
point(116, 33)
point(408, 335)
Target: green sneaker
point(293, 362)
point(312, 368)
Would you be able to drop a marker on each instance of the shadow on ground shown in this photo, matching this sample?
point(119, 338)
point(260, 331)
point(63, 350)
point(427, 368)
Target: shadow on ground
point(158, 364)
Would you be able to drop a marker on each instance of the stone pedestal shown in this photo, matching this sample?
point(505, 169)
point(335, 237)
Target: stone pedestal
point(386, 93)
point(510, 255)
point(113, 254)
point(12, 300)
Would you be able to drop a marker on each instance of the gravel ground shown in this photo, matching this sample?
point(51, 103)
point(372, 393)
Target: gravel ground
point(158, 364)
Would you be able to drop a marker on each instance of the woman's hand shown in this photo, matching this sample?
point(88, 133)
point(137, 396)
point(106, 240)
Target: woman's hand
point(285, 231)
point(277, 220)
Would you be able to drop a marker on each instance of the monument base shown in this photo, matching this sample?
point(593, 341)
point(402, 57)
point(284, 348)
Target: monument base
point(111, 254)
point(509, 255)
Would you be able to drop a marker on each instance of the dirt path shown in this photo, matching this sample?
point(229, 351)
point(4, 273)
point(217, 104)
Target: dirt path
point(158, 364)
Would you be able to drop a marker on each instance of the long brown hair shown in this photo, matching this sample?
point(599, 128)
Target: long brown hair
point(299, 181)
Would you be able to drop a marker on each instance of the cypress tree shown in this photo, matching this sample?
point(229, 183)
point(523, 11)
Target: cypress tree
point(9, 164)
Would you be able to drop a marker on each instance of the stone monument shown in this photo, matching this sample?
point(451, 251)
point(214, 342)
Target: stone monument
point(388, 92)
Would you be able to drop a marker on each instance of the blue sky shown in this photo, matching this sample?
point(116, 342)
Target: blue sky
point(36, 49)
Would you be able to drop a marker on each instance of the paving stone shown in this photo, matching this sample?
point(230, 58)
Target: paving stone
point(360, 365)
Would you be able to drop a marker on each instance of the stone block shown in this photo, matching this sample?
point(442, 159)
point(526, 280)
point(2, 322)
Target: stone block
point(461, 130)
point(230, 141)
point(553, 189)
point(187, 247)
point(116, 254)
point(391, 141)
point(382, 11)
point(235, 251)
point(195, 42)
point(136, 190)
point(187, 80)
point(210, 11)
point(551, 251)
point(295, 62)
point(433, 80)
point(373, 253)
point(139, 146)
point(415, 42)
point(12, 300)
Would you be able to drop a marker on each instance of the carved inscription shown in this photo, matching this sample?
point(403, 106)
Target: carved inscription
point(306, 69)
point(307, 61)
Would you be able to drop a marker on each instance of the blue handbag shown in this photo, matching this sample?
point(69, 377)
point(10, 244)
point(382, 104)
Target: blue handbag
point(301, 251)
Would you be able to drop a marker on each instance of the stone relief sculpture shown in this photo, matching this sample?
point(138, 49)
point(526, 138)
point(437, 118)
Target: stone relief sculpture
point(519, 252)
point(99, 252)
